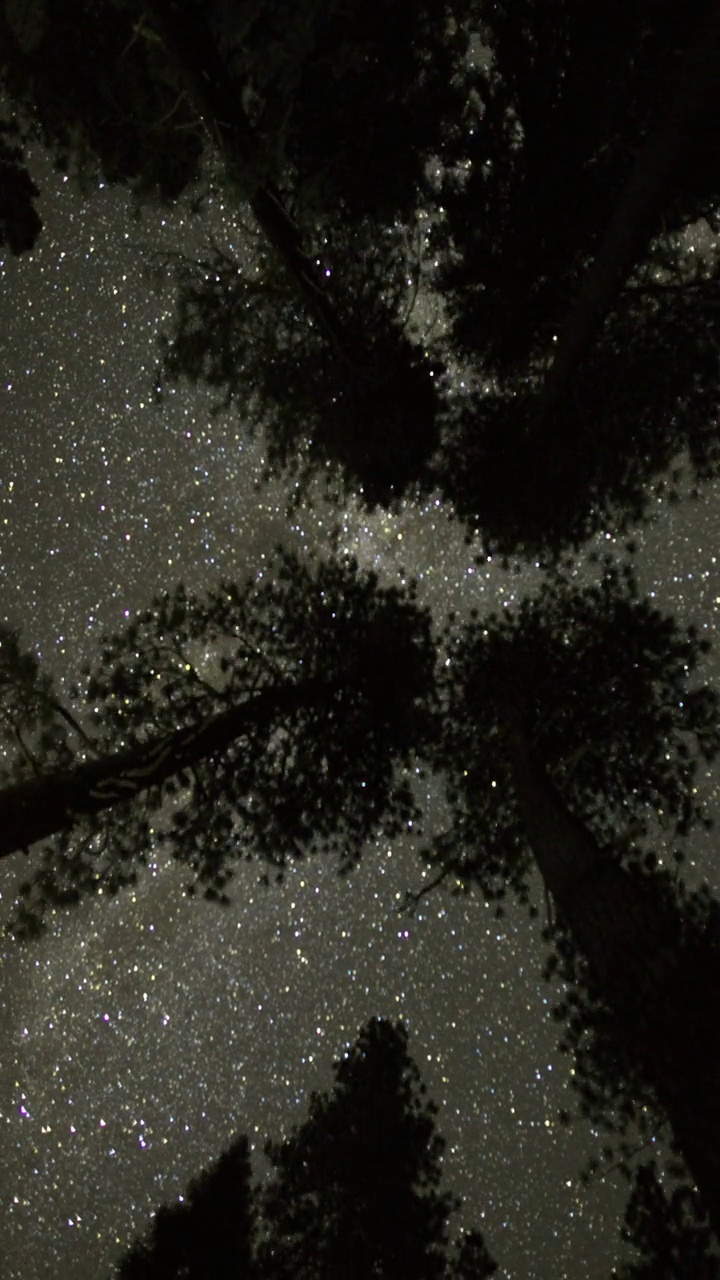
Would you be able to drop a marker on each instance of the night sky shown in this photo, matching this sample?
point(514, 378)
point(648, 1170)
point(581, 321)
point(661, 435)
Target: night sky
point(142, 1034)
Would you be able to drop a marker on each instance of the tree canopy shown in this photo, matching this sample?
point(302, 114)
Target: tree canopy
point(604, 684)
point(549, 161)
point(542, 159)
point(271, 719)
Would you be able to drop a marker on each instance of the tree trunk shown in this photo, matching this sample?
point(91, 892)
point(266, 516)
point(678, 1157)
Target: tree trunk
point(664, 989)
point(42, 806)
point(638, 214)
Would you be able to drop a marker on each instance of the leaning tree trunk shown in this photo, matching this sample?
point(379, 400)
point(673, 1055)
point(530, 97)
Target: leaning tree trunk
point(665, 996)
point(43, 806)
point(638, 213)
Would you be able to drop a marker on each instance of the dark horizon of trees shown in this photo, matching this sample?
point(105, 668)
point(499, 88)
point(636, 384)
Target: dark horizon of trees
point(353, 1191)
point(357, 1190)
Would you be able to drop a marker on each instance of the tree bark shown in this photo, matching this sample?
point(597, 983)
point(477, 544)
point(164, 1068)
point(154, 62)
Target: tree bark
point(43, 806)
point(638, 214)
point(663, 987)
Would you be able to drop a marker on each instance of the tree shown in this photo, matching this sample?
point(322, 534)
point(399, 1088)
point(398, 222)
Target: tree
point(536, 481)
point(323, 127)
point(569, 727)
point(20, 222)
point(274, 718)
point(350, 101)
point(162, 88)
point(355, 1191)
point(670, 1232)
point(495, 456)
point(364, 405)
point(585, 159)
point(209, 1235)
point(471, 1260)
point(569, 107)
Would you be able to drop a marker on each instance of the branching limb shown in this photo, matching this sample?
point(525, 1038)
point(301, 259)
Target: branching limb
point(412, 898)
point(74, 724)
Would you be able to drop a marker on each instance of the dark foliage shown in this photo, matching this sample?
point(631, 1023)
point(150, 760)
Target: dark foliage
point(357, 1185)
point(604, 680)
point(210, 1235)
point(324, 121)
point(354, 1192)
point(352, 99)
point(567, 96)
point(34, 725)
point(471, 1261)
point(20, 222)
point(669, 1231)
point(357, 399)
point(340, 671)
point(647, 392)
point(98, 90)
point(619, 1085)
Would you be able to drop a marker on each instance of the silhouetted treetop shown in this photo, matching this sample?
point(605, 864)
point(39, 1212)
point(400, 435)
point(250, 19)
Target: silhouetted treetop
point(356, 1187)
point(210, 1235)
point(354, 1191)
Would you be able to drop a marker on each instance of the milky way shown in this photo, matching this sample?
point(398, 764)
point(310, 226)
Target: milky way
point(142, 1034)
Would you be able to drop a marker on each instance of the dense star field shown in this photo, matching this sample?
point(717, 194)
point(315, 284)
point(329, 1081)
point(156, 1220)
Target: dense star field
point(141, 1034)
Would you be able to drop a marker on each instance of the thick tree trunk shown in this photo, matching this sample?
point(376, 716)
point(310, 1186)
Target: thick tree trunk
point(45, 805)
point(638, 214)
point(665, 995)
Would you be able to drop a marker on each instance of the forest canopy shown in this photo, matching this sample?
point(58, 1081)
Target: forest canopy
point(469, 268)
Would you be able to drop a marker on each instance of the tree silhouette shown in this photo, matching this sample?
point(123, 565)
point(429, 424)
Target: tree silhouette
point(556, 248)
point(569, 105)
point(210, 1235)
point(568, 152)
point(162, 86)
point(353, 393)
point(569, 726)
point(354, 1191)
point(274, 718)
point(471, 1260)
point(670, 1233)
point(20, 222)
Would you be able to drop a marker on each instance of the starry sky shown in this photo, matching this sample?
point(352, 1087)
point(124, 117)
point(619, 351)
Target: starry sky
point(140, 1035)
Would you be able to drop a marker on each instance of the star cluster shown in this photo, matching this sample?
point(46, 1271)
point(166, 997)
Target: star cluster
point(144, 1032)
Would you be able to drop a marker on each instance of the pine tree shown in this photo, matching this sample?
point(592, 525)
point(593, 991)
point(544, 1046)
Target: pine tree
point(669, 1231)
point(355, 1189)
point(589, 154)
point(571, 145)
point(570, 725)
point(210, 1235)
point(274, 718)
point(354, 1192)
